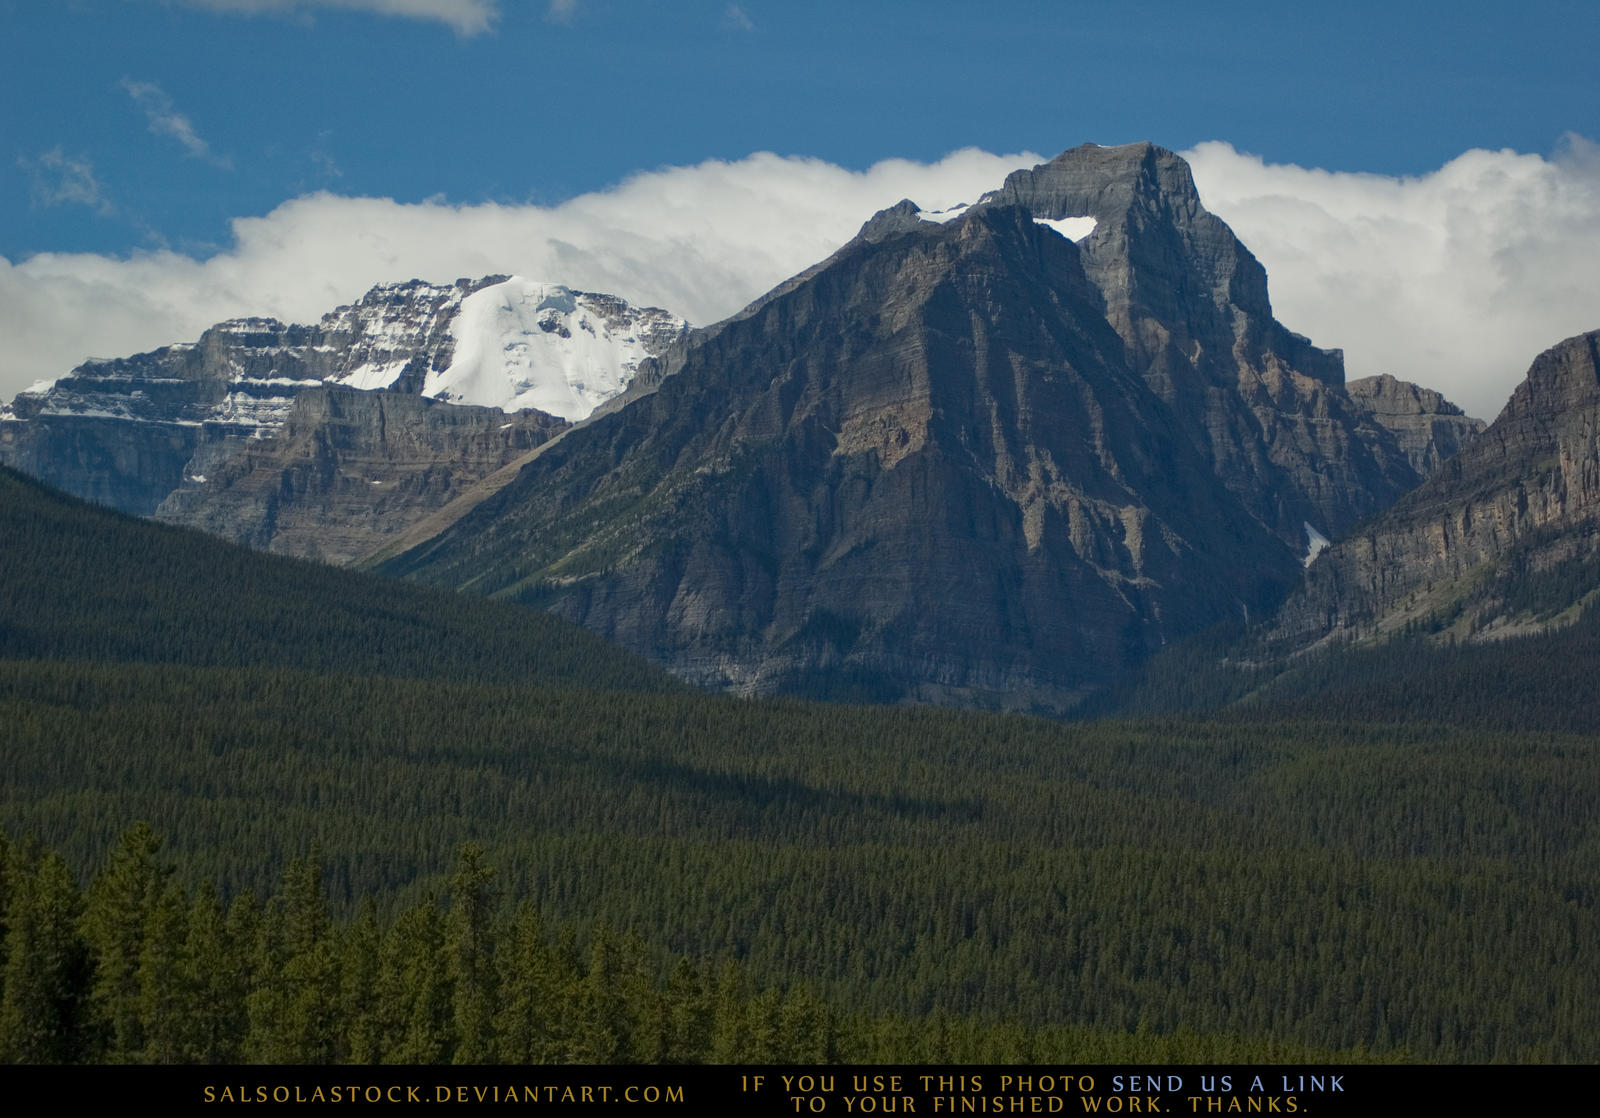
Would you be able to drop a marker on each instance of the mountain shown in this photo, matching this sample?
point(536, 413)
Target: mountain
point(969, 458)
point(1502, 538)
point(130, 431)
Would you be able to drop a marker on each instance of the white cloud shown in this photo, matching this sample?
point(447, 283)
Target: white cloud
point(166, 120)
point(701, 241)
point(561, 11)
point(465, 17)
point(1455, 279)
point(735, 17)
point(59, 179)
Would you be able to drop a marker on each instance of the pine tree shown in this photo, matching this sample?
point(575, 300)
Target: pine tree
point(212, 976)
point(121, 899)
point(688, 1029)
point(413, 993)
point(530, 1027)
point(310, 970)
point(358, 987)
point(47, 967)
point(469, 955)
point(728, 1020)
point(601, 1032)
point(165, 1003)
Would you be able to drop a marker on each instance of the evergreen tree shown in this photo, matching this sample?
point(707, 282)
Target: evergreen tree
point(530, 1027)
point(166, 1003)
point(358, 987)
point(688, 1027)
point(600, 1035)
point(46, 967)
point(121, 900)
point(414, 994)
point(214, 981)
point(469, 955)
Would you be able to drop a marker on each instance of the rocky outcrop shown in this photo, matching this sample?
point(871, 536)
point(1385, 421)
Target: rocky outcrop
point(350, 469)
point(1427, 427)
point(965, 459)
point(1526, 492)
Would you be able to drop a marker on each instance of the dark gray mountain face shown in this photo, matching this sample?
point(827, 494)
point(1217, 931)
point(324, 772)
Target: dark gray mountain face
point(959, 462)
point(1263, 404)
point(1521, 498)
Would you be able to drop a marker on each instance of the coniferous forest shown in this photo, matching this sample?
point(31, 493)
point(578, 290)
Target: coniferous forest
point(257, 818)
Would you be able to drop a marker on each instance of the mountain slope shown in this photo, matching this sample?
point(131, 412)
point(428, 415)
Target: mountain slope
point(349, 470)
point(1428, 427)
point(84, 583)
point(963, 460)
point(1189, 301)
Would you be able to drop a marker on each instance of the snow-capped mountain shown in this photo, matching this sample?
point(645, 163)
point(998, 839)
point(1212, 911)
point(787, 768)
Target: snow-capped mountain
point(128, 431)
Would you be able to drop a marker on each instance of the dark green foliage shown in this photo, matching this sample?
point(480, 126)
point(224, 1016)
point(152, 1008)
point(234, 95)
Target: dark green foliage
point(84, 583)
point(46, 972)
point(214, 984)
point(469, 957)
point(1342, 886)
point(618, 1007)
point(118, 922)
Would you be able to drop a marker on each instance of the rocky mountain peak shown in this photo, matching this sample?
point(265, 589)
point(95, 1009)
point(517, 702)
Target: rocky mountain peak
point(1428, 427)
point(1563, 378)
point(1105, 183)
point(902, 217)
point(1153, 240)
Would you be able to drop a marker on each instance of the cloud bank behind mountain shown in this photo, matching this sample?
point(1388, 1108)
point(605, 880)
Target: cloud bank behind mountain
point(1454, 279)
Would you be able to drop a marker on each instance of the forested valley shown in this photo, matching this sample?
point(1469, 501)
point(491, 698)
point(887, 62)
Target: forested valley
point(532, 847)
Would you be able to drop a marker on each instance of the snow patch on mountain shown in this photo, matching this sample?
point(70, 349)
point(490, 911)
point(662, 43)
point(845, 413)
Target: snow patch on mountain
point(1072, 228)
point(1316, 543)
point(525, 344)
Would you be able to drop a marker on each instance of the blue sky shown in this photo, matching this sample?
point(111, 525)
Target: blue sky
point(144, 138)
point(546, 104)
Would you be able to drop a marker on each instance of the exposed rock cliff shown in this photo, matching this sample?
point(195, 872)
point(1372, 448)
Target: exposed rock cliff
point(1428, 427)
point(1525, 492)
point(1263, 404)
point(349, 469)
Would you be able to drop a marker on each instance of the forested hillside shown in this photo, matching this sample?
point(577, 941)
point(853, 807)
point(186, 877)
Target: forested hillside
point(83, 583)
point(1536, 676)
